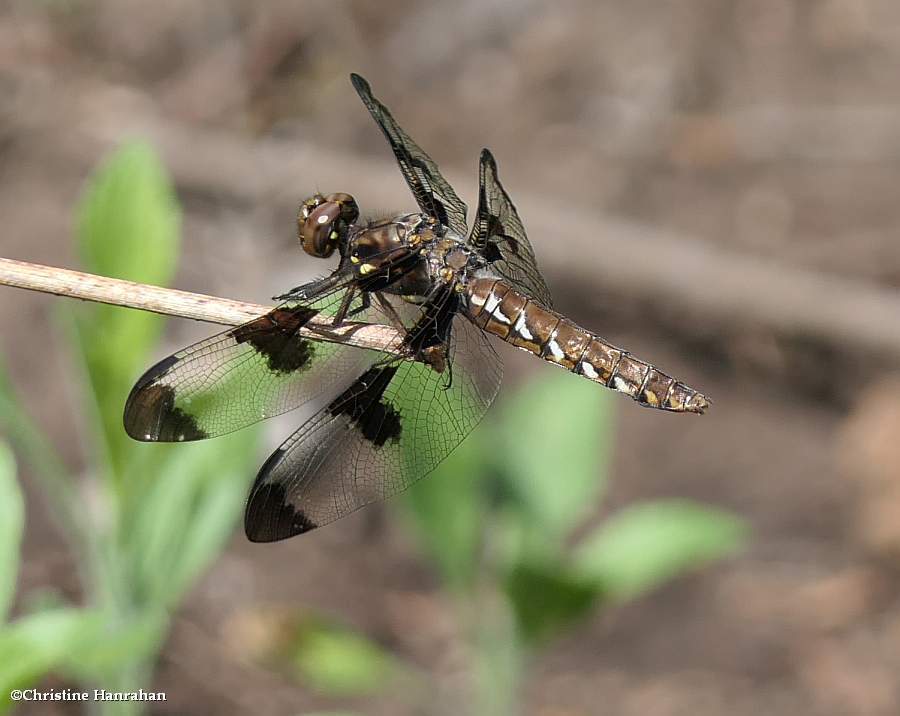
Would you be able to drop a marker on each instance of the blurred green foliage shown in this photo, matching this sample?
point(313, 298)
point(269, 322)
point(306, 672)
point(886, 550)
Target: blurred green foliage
point(502, 517)
point(144, 520)
point(12, 519)
point(503, 520)
point(340, 662)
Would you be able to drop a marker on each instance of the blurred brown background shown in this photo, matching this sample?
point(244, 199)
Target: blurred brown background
point(712, 184)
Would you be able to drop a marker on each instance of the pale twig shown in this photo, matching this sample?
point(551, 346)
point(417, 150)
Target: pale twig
point(171, 302)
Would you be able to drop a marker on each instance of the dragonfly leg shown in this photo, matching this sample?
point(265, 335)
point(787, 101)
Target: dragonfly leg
point(313, 289)
point(365, 302)
point(341, 314)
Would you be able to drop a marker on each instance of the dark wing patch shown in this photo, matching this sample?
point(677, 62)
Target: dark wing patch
point(246, 374)
point(432, 192)
point(402, 420)
point(375, 419)
point(153, 410)
point(276, 336)
point(500, 237)
point(433, 327)
point(277, 516)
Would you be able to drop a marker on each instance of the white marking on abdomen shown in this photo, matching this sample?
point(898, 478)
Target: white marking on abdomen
point(588, 371)
point(618, 383)
point(521, 328)
point(554, 348)
point(492, 302)
point(498, 314)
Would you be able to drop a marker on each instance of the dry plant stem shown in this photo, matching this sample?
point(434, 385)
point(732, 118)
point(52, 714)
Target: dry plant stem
point(171, 302)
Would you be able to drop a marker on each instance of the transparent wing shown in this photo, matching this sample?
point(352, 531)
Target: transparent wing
point(243, 375)
point(392, 426)
point(500, 237)
point(432, 192)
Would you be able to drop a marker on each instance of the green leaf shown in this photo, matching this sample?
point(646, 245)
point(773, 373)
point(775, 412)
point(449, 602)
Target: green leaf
point(497, 653)
point(213, 520)
point(102, 653)
point(155, 518)
point(34, 645)
point(547, 598)
point(340, 662)
point(186, 512)
point(645, 545)
point(76, 642)
point(128, 227)
point(128, 219)
point(555, 447)
point(12, 520)
point(447, 512)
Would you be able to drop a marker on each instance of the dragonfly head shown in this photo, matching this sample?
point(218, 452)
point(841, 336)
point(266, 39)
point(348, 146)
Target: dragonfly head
point(323, 222)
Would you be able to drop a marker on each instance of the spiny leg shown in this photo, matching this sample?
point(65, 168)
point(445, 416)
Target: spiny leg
point(341, 314)
point(365, 303)
point(312, 289)
point(344, 311)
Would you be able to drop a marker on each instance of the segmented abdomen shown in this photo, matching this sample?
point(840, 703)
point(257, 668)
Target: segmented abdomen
point(499, 309)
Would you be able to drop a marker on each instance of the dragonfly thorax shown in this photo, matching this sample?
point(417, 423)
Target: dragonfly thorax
point(384, 252)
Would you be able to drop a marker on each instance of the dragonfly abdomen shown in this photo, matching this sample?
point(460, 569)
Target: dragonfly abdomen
point(501, 310)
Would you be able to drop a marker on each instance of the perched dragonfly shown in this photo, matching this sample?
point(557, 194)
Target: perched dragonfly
point(389, 415)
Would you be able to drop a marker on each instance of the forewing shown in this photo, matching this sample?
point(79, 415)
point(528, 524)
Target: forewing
point(432, 192)
point(394, 425)
point(241, 376)
point(500, 237)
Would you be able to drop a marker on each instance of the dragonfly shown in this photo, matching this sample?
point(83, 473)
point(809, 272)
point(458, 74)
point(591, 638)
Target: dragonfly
point(383, 417)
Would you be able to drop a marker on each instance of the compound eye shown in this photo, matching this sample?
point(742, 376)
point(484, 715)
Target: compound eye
point(349, 207)
point(318, 229)
point(308, 205)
